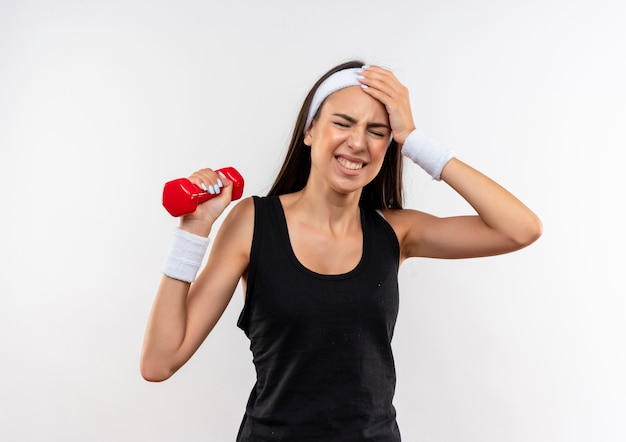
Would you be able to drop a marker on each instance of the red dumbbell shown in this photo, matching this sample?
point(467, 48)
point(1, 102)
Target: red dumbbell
point(181, 196)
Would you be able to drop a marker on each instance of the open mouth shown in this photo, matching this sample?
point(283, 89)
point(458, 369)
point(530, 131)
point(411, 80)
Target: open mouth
point(350, 164)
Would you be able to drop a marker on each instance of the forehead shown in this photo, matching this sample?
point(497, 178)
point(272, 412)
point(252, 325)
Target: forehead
point(355, 102)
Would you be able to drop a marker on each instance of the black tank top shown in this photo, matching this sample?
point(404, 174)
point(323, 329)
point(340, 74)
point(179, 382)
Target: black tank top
point(321, 344)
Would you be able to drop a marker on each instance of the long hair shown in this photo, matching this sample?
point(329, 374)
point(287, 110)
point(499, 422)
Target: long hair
point(383, 192)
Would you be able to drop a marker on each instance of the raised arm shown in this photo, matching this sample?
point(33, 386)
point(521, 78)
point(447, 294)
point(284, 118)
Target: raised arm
point(503, 223)
point(183, 313)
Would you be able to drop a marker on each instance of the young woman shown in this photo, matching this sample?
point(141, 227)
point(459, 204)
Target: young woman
point(319, 258)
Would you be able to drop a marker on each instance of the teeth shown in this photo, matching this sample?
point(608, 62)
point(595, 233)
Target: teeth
point(349, 164)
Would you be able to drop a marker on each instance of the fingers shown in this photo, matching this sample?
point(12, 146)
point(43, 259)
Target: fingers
point(383, 85)
point(209, 209)
point(209, 181)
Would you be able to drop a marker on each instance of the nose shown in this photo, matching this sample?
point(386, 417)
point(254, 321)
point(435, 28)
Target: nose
point(357, 140)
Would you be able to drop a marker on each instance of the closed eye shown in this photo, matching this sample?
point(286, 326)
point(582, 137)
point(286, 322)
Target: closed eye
point(374, 128)
point(377, 134)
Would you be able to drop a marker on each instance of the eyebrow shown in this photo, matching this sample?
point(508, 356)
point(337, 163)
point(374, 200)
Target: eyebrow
point(352, 120)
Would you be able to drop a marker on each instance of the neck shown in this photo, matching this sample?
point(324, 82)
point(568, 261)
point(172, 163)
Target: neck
point(328, 210)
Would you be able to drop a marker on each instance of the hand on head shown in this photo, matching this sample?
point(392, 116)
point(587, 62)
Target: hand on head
point(383, 85)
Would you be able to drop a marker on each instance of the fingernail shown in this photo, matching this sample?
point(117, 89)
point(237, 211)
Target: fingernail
point(203, 187)
point(221, 174)
point(216, 189)
point(360, 77)
point(219, 183)
point(365, 66)
point(364, 86)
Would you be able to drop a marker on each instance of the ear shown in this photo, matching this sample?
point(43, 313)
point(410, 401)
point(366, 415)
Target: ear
point(308, 138)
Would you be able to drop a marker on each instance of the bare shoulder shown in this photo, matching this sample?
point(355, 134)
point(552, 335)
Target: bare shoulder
point(409, 226)
point(242, 211)
point(404, 221)
point(235, 233)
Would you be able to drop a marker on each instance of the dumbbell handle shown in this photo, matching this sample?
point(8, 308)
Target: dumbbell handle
point(181, 196)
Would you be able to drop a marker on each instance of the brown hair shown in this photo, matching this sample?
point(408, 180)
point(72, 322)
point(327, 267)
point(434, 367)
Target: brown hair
point(383, 192)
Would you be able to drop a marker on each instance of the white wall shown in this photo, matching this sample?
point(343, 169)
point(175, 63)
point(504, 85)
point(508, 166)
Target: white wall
point(102, 102)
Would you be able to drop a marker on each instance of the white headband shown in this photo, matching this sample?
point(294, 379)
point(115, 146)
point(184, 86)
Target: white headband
point(337, 81)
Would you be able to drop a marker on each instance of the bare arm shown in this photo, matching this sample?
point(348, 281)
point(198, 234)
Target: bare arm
point(184, 314)
point(503, 223)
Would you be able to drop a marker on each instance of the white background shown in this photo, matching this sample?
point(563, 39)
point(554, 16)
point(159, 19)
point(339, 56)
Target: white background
point(101, 102)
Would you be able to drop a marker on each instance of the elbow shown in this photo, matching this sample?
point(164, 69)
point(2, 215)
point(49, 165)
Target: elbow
point(153, 372)
point(531, 232)
point(153, 376)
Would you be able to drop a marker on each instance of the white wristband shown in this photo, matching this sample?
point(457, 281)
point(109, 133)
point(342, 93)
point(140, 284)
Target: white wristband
point(426, 153)
point(185, 256)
